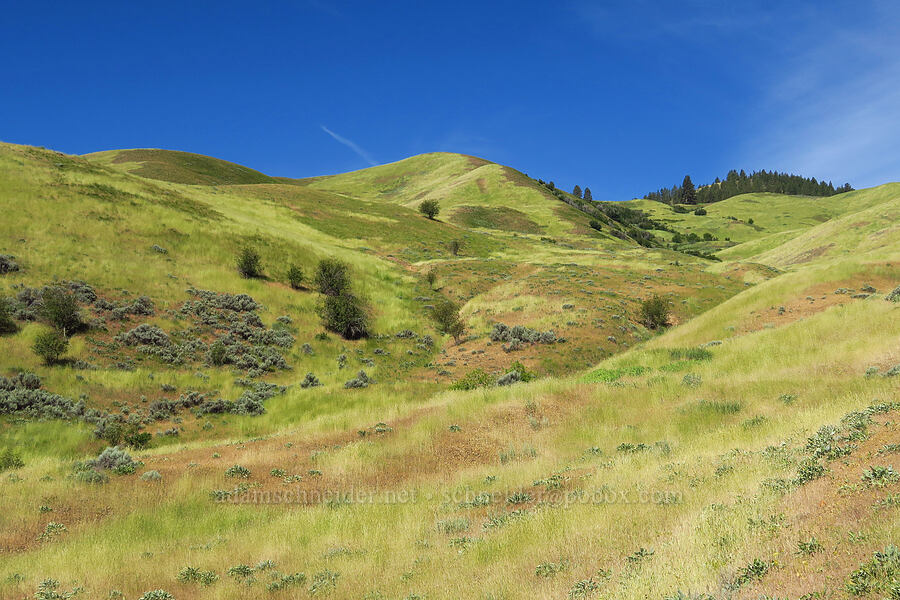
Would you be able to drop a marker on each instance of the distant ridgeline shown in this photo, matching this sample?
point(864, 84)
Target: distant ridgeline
point(736, 183)
point(622, 222)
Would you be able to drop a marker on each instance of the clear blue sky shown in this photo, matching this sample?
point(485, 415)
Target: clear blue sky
point(624, 96)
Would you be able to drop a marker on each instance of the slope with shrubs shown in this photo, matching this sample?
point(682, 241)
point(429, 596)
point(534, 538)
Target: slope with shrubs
point(691, 466)
point(206, 436)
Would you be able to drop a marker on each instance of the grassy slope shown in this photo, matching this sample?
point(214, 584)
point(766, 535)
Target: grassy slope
point(776, 218)
point(179, 167)
point(698, 501)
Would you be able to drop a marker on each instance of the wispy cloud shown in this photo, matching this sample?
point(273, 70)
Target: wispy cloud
point(352, 145)
point(833, 111)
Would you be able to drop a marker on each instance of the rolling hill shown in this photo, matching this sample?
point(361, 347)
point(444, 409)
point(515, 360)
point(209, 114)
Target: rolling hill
point(746, 450)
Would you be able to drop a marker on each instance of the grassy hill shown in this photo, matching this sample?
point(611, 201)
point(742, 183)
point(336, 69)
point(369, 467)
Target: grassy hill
point(179, 167)
point(743, 451)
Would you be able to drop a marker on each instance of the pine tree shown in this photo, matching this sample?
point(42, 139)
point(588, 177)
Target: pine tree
point(688, 194)
point(577, 192)
point(587, 194)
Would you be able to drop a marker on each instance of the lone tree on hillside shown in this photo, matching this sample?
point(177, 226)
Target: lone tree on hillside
point(430, 208)
point(455, 247)
point(431, 277)
point(655, 313)
point(577, 191)
point(446, 316)
point(587, 194)
point(332, 277)
point(248, 263)
point(688, 194)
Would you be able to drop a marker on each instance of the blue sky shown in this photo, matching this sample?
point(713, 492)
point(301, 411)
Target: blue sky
point(624, 96)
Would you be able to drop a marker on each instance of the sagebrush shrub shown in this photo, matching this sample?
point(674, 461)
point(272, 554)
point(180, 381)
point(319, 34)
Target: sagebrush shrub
point(8, 264)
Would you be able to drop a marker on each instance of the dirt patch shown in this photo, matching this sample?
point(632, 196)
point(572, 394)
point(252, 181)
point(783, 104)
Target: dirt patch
point(810, 254)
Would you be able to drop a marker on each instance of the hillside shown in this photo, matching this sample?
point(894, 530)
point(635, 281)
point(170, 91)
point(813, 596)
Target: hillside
point(741, 452)
point(179, 167)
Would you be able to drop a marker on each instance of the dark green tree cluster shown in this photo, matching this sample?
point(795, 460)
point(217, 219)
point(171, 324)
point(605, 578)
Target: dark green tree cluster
point(739, 182)
point(341, 311)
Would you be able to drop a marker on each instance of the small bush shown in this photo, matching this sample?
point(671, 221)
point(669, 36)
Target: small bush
point(60, 308)
point(50, 345)
point(332, 277)
point(430, 278)
point(157, 595)
point(10, 460)
point(700, 212)
point(455, 247)
point(690, 354)
point(879, 476)
point(115, 460)
point(430, 208)
point(295, 277)
point(310, 381)
point(151, 476)
point(474, 379)
point(655, 313)
point(8, 264)
point(218, 353)
point(360, 381)
point(249, 263)
point(237, 471)
point(809, 547)
point(346, 315)
point(7, 325)
point(447, 319)
point(894, 296)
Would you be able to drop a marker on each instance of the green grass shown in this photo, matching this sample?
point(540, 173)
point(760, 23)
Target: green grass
point(631, 440)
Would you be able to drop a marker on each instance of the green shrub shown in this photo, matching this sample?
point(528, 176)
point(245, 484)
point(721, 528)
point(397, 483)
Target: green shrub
point(430, 278)
point(10, 460)
point(237, 471)
point(7, 325)
point(332, 277)
point(218, 353)
point(809, 547)
point(249, 263)
point(60, 308)
point(346, 315)
point(430, 208)
point(655, 313)
point(447, 319)
point(474, 379)
point(690, 354)
point(455, 247)
point(295, 277)
point(700, 212)
point(50, 345)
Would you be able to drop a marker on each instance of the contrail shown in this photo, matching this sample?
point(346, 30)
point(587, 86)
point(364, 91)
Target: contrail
point(352, 145)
